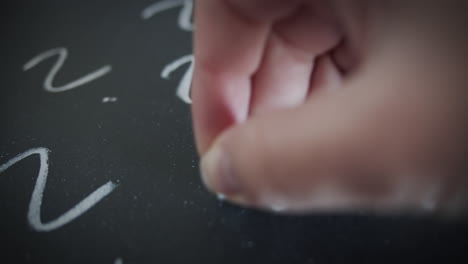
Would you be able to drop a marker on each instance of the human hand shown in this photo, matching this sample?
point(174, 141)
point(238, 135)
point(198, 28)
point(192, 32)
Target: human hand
point(325, 105)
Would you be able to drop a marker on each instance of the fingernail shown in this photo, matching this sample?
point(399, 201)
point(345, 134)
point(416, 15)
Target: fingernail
point(217, 173)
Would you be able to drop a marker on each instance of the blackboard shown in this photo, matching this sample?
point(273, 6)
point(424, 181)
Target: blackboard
point(98, 164)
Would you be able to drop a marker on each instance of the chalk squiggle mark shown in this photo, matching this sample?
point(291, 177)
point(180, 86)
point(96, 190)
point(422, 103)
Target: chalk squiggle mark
point(62, 56)
point(34, 212)
point(183, 90)
point(185, 16)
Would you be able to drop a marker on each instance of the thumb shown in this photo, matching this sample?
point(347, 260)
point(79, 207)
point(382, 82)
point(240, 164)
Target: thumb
point(328, 154)
point(310, 157)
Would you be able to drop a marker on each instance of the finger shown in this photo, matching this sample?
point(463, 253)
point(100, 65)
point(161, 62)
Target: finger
point(294, 160)
point(312, 28)
point(228, 49)
point(283, 78)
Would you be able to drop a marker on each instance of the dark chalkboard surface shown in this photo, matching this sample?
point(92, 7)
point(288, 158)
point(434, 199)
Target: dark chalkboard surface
point(98, 164)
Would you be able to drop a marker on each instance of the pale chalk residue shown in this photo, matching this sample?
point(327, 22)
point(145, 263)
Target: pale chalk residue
point(62, 56)
point(279, 207)
point(183, 90)
point(185, 16)
point(118, 261)
point(109, 100)
point(412, 192)
point(34, 212)
point(221, 196)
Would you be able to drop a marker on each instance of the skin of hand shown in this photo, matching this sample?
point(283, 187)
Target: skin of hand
point(318, 105)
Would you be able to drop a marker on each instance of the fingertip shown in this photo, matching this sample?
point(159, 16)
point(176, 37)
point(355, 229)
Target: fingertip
point(220, 178)
point(217, 172)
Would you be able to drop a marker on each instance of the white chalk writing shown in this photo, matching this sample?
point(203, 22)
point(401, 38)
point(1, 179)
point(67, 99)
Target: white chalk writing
point(62, 56)
point(183, 90)
point(185, 16)
point(34, 212)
